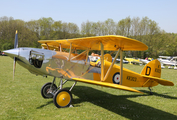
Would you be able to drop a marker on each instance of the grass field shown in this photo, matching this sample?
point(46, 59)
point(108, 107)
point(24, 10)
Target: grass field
point(21, 99)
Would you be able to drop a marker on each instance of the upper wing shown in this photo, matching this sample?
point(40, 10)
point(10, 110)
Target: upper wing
point(110, 42)
point(160, 81)
point(105, 84)
point(54, 44)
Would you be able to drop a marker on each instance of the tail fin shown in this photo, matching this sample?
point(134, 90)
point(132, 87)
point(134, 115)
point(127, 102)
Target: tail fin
point(153, 69)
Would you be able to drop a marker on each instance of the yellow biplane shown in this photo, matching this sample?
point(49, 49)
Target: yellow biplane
point(133, 61)
point(53, 61)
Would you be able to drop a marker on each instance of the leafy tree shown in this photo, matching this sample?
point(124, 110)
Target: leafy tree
point(6, 46)
point(45, 27)
point(144, 30)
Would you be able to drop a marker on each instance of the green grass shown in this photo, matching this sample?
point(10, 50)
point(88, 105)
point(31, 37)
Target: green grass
point(21, 99)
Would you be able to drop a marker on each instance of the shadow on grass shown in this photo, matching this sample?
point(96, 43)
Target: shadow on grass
point(49, 102)
point(164, 95)
point(120, 104)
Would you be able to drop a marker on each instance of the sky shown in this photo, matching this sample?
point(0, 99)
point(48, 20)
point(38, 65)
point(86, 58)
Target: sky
point(162, 12)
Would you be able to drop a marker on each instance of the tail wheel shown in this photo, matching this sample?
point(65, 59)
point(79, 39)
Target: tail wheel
point(46, 89)
point(62, 98)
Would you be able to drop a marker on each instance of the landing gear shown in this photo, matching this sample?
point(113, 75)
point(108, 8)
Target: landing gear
point(151, 93)
point(47, 90)
point(61, 97)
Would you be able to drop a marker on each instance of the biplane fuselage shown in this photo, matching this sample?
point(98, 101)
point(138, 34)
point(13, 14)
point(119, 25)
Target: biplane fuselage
point(54, 63)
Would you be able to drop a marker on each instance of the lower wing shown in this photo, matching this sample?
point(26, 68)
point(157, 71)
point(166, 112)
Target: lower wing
point(105, 84)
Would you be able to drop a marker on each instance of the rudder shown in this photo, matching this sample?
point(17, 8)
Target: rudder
point(153, 69)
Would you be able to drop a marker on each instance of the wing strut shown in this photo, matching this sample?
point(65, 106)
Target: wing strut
point(70, 51)
point(103, 78)
point(121, 65)
point(86, 51)
point(47, 46)
point(87, 56)
point(60, 49)
point(102, 62)
point(109, 70)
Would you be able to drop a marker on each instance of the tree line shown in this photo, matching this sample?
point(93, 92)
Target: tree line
point(145, 30)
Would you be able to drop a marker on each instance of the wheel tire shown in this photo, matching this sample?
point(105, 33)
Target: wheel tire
point(45, 88)
point(62, 98)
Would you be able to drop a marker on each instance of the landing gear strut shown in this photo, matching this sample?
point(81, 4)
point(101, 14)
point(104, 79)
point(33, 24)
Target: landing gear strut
point(151, 93)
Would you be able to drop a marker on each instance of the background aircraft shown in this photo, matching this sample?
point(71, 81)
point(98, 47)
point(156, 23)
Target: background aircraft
point(169, 61)
point(53, 61)
point(118, 61)
point(146, 60)
point(133, 61)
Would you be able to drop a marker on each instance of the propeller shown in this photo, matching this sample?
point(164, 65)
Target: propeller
point(15, 46)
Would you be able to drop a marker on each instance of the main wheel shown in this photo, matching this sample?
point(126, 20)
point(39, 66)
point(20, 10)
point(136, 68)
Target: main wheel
point(62, 98)
point(45, 89)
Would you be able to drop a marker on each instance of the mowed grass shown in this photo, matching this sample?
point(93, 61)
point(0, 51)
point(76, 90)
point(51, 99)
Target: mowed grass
point(21, 98)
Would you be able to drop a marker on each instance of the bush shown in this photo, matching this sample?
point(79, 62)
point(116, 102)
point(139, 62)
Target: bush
point(7, 46)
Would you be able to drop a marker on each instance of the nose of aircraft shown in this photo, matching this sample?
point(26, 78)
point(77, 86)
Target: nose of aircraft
point(12, 52)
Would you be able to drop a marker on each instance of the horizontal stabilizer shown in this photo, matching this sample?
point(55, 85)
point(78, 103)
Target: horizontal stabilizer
point(160, 81)
point(105, 84)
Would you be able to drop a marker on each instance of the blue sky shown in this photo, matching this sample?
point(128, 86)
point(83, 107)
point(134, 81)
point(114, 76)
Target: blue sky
point(77, 11)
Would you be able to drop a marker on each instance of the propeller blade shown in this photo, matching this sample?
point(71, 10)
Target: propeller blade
point(15, 46)
point(14, 65)
point(16, 40)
